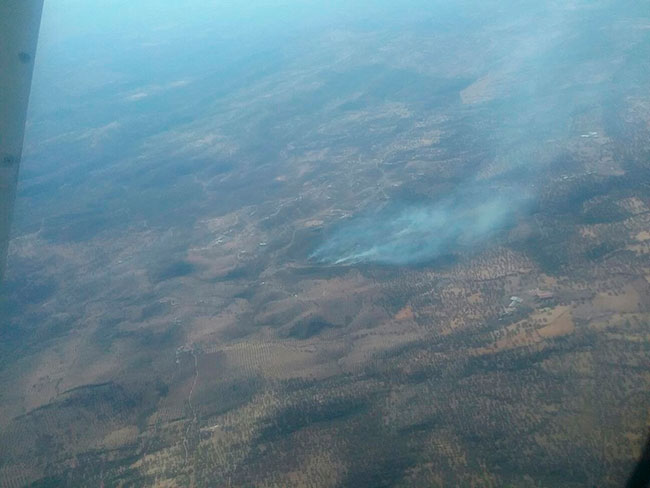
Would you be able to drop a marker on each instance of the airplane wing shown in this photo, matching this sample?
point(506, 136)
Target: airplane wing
point(19, 26)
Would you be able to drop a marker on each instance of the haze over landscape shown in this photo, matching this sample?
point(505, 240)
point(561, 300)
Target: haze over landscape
point(289, 243)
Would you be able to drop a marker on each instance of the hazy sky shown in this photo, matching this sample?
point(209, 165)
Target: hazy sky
point(112, 76)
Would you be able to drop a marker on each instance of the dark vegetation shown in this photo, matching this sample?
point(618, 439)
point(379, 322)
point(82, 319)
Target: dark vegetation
point(168, 271)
